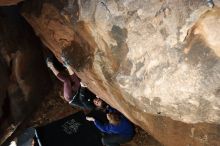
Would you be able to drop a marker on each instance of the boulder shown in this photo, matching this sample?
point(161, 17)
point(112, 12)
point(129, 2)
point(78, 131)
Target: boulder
point(155, 61)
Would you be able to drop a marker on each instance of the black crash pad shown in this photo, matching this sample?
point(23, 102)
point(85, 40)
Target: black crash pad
point(73, 130)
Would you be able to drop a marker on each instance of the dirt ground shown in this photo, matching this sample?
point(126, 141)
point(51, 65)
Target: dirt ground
point(142, 138)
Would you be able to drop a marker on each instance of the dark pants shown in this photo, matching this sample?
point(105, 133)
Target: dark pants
point(114, 140)
point(70, 85)
point(83, 99)
point(77, 96)
point(75, 102)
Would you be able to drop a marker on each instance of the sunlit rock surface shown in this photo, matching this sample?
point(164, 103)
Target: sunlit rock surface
point(155, 61)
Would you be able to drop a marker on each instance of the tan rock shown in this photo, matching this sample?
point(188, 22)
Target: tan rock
point(132, 54)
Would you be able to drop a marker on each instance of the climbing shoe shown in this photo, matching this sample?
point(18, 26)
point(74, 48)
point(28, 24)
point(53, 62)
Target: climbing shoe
point(49, 62)
point(210, 3)
point(65, 62)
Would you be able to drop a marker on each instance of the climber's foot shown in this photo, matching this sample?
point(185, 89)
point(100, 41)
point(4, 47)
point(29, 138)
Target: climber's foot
point(49, 62)
point(65, 62)
point(210, 3)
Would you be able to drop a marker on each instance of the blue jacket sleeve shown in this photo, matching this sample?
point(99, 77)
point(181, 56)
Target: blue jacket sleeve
point(103, 127)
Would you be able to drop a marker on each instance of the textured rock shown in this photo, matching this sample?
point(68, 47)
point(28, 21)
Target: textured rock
point(9, 2)
point(155, 61)
point(24, 78)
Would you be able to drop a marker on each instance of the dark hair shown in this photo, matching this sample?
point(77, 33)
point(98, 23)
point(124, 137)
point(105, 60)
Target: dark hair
point(114, 118)
point(103, 106)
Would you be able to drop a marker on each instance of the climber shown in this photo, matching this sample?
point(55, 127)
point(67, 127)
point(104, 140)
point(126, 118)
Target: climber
point(74, 91)
point(118, 130)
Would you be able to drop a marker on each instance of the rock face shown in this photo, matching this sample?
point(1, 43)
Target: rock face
point(20, 59)
point(9, 2)
point(155, 61)
point(24, 78)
